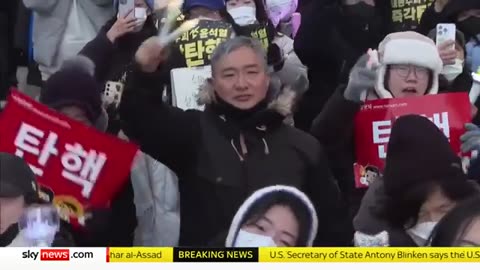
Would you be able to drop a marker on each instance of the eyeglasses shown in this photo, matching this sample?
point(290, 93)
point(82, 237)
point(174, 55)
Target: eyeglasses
point(404, 71)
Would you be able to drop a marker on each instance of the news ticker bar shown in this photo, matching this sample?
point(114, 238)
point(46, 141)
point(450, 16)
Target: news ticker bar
point(311, 255)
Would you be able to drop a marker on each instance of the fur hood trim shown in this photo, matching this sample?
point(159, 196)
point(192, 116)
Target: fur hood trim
point(282, 102)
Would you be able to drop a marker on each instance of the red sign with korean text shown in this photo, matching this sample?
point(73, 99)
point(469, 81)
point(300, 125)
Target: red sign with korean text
point(373, 125)
point(77, 167)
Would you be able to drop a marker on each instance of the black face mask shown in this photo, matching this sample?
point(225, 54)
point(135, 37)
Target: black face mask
point(360, 10)
point(470, 26)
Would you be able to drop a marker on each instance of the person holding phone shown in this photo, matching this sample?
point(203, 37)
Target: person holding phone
point(113, 48)
point(455, 75)
point(466, 15)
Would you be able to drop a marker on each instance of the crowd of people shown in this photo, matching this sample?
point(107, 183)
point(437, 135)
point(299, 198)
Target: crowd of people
point(269, 160)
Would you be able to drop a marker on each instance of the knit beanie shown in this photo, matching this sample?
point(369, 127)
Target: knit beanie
point(74, 84)
point(209, 4)
point(408, 48)
point(419, 151)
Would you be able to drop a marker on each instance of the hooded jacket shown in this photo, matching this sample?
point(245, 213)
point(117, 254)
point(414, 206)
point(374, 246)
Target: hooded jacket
point(220, 161)
point(428, 154)
point(241, 216)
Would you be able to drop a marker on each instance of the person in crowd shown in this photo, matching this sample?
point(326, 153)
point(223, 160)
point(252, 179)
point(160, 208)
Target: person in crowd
point(348, 29)
point(237, 145)
point(455, 77)
point(113, 50)
point(287, 67)
point(281, 13)
point(69, 25)
point(409, 66)
point(460, 227)
point(466, 15)
point(7, 52)
point(19, 190)
point(423, 180)
point(275, 216)
point(145, 212)
point(81, 101)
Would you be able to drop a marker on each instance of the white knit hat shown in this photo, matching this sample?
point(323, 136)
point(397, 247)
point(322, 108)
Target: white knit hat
point(257, 195)
point(408, 48)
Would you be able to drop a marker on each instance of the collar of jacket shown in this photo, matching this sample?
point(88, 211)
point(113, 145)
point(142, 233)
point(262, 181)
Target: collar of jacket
point(247, 131)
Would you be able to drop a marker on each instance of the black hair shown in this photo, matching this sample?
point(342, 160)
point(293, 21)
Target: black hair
point(400, 207)
point(372, 169)
point(262, 18)
point(281, 198)
point(454, 225)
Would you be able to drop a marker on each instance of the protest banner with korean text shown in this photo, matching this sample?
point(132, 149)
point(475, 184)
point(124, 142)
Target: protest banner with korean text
point(373, 124)
point(76, 166)
point(198, 44)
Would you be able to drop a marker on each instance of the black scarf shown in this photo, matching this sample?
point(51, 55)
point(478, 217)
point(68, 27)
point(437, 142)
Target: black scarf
point(7, 237)
point(253, 124)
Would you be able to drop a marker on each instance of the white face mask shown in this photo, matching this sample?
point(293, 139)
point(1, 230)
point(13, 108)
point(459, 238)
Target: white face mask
point(243, 15)
point(451, 72)
point(421, 232)
point(246, 239)
point(141, 16)
point(279, 10)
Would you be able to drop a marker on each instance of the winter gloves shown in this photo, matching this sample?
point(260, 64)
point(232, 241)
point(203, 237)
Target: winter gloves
point(361, 80)
point(471, 138)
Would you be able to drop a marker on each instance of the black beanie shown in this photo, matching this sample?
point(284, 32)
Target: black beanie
point(74, 84)
point(418, 151)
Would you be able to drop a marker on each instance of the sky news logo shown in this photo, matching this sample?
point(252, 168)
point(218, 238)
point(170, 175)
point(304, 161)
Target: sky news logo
point(55, 255)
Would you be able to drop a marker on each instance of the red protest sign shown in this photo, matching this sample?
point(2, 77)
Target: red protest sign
point(76, 166)
point(374, 121)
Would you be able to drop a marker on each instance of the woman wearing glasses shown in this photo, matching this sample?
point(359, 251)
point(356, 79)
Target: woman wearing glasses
point(408, 65)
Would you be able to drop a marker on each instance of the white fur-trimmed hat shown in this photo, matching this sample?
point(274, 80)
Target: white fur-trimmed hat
point(261, 193)
point(409, 48)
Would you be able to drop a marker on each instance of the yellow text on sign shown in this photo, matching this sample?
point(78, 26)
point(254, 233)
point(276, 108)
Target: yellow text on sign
point(369, 254)
point(140, 254)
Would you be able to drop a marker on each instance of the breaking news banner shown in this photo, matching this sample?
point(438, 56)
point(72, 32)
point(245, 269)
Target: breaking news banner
point(253, 258)
point(373, 124)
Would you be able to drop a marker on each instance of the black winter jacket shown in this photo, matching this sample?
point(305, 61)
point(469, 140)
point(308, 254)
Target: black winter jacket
point(333, 127)
point(216, 175)
point(330, 53)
